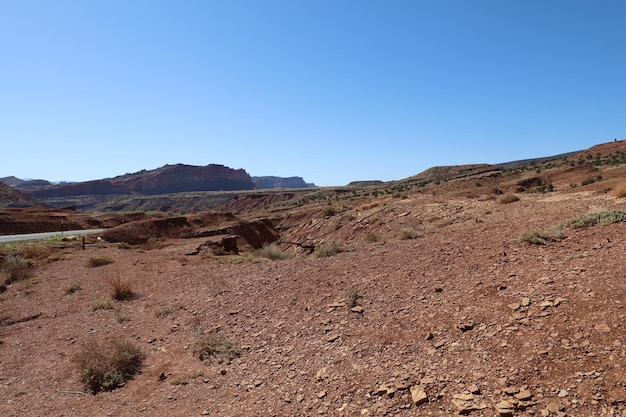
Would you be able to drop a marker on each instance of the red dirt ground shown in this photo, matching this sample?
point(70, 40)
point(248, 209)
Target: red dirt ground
point(463, 311)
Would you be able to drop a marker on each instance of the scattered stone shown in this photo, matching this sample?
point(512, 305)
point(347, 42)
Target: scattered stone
point(524, 395)
point(563, 393)
point(525, 302)
point(514, 306)
point(332, 337)
point(429, 336)
point(321, 394)
point(427, 380)
point(357, 309)
point(474, 389)
point(505, 408)
point(466, 403)
point(554, 407)
point(602, 328)
point(418, 395)
point(464, 327)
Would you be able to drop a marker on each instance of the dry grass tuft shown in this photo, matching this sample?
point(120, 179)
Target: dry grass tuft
point(72, 289)
point(102, 305)
point(272, 252)
point(216, 346)
point(507, 199)
point(108, 364)
point(620, 190)
point(36, 251)
point(542, 237)
point(95, 261)
point(328, 249)
point(121, 288)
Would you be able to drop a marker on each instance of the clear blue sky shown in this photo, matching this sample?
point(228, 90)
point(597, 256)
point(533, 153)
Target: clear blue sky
point(330, 90)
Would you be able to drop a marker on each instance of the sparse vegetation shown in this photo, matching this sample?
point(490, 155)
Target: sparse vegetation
point(328, 249)
point(596, 218)
point(151, 244)
point(352, 297)
point(542, 237)
point(183, 379)
point(121, 288)
point(507, 199)
point(272, 252)
point(620, 190)
point(36, 251)
point(329, 211)
point(102, 305)
point(372, 237)
point(107, 365)
point(96, 261)
point(15, 268)
point(216, 346)
point(123, 245)
point(407, 233)
point(72, 289)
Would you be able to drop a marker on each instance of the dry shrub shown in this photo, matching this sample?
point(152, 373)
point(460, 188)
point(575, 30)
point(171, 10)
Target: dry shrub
point(36, 251)
point(102, 305)
point(121, 288)
point(272, 252)
point(542, 237)
point(596, 218)
point(620, 190)
point(408, 233)
point(72, 289)
point(328, 249)
point(151, 244)
point(352, 297)
point(372, 237)
point(508, 198)
point(329, 211)
point(216, 346)
point(95, 261)
point(15, 268)
point(108, 364)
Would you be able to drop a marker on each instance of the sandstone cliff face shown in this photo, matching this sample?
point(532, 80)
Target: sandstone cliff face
point(184, 178)
point(167, 179)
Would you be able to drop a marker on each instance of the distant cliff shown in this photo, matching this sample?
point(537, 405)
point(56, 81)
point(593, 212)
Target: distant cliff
point(165, 180)
point(278, 182)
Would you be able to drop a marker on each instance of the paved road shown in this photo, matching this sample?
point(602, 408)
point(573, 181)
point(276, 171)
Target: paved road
point(36, 236)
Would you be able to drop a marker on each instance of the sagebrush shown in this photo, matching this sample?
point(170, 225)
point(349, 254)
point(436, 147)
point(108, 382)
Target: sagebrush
point(106, 365)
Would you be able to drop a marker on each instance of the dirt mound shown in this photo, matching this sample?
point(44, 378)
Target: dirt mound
point(253, 234)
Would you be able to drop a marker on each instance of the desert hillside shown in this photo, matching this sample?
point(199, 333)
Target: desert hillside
point(471, 290)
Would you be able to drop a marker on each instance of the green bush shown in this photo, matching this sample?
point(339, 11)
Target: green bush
point(596, 218)
point(107, 365)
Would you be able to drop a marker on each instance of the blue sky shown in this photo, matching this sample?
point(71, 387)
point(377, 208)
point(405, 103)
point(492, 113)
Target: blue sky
point(329, 90)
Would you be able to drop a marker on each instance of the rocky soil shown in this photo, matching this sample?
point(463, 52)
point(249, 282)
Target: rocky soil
point(425, 305)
